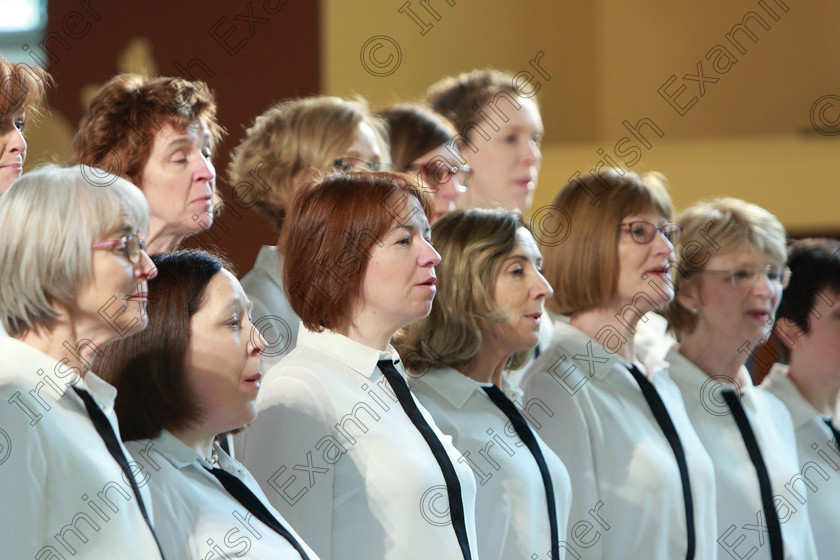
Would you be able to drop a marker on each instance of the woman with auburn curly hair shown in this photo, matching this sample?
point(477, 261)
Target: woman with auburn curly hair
point(160, 133)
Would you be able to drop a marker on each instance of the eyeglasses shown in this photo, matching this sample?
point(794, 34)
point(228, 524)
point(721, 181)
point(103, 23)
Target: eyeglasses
point(644, 232)
point(746, 278)
point(356, 164)
point(436, 173)
point(129, 245)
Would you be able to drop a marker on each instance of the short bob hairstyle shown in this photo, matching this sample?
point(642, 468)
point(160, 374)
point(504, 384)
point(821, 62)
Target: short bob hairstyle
point(22, 87)
point(150, 366)
point(117, 130)
point(48, 220)
point(415, 130)
point(293, 142)
point(721, 225)
point(333, 225)
point(460, 98)
point(473, 245)
point(815, 268)
point(582, 264)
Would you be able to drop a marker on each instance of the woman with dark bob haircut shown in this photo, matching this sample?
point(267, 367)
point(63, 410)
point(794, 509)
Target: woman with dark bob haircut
point(192, 374)
point(612, 413)
point(384, 481)
point(487, 314)
point(160, 134)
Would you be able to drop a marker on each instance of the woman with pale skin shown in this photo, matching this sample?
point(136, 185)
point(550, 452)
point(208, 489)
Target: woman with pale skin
point(610, 411)
point(423, 143)
point(198, 362)
point(387, 483)
point(486, 316)
point(160, 133)
point(807, 376)
point(288, 146)
point(74, 278)
point(501, 131)
point(22, 89)
point(731, 275)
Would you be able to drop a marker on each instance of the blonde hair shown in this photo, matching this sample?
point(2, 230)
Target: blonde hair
point(48, 220)
point(292, 144)
point(583, 266)
point(473, 245)
point(722, 224)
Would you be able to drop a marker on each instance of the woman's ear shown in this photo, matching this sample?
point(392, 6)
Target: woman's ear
point(688, 296)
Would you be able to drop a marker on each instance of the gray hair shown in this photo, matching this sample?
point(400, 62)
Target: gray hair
point(48, 220)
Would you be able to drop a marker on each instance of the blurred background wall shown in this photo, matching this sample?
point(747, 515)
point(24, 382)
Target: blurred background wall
point(738, 98)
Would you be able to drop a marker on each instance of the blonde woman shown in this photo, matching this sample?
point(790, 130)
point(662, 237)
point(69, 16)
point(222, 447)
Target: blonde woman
point(487, 315)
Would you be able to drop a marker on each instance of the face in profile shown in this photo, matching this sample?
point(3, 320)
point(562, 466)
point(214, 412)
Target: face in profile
point(436, 171)
point(114, 300)
point(222, 362)
point(12, 148)
point(644, 262)
point(179, 180)
point(399, 283)
point(505, 168)
point(520, 292)
point(364, 149)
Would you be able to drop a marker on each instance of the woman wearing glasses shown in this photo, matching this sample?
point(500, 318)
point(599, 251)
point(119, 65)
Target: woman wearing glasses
point(287, 147)
point(731, 275)
point(423, 142)
point(641, 478)
point(74, 278)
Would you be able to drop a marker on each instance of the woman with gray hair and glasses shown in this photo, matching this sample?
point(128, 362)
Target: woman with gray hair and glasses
point(74, 278)
point(730, 275)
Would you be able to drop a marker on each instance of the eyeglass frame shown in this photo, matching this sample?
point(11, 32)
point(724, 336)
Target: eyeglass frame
point(453, 171)
point(366, 165)
point(783, 281)
point(677, 228)
point(124, 249)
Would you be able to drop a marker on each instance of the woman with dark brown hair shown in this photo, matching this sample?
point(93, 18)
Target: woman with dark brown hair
point(384, 482)
point(159, 133)
point(423, 142)
point(192, 374)
point(22, 89)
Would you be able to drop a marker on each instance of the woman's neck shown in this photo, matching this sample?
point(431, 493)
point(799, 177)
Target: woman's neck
point(591, 321)
point(715, 357)
point(486, 367)
point(197, 439)
point(818, 389)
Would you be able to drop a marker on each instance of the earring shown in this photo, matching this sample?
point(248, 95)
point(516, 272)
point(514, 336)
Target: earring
point(693, 311)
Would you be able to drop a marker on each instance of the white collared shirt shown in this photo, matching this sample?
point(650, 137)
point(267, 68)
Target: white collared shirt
point(271, 314)
point(511, 506)
point(819, 460)
point(627, 497)
point(196, 517)
point(64, 495)
point(738, 495)
point(336, 454)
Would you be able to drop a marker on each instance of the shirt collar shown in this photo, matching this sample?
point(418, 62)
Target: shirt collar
point(355, 355)
point(181, 455)
point(270, 259)
point(455, 387)
point(593, 359)
point(778, 382)
point(687, 373)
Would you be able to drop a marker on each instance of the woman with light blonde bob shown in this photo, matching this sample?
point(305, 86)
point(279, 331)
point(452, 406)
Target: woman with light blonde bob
point(614, 416)
point(486, 316)
point(290, 145)
point(732, 272)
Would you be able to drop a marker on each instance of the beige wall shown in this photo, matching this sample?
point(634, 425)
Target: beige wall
point(750, 135)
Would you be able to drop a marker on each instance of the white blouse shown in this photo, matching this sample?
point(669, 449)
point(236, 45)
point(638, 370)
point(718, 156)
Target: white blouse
point(64, 495)
point(336, 454)
point(511, 506)
point(627, 497)
point(819, 460)
point(272, 314)
point(739, 505)
point(196, 517)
